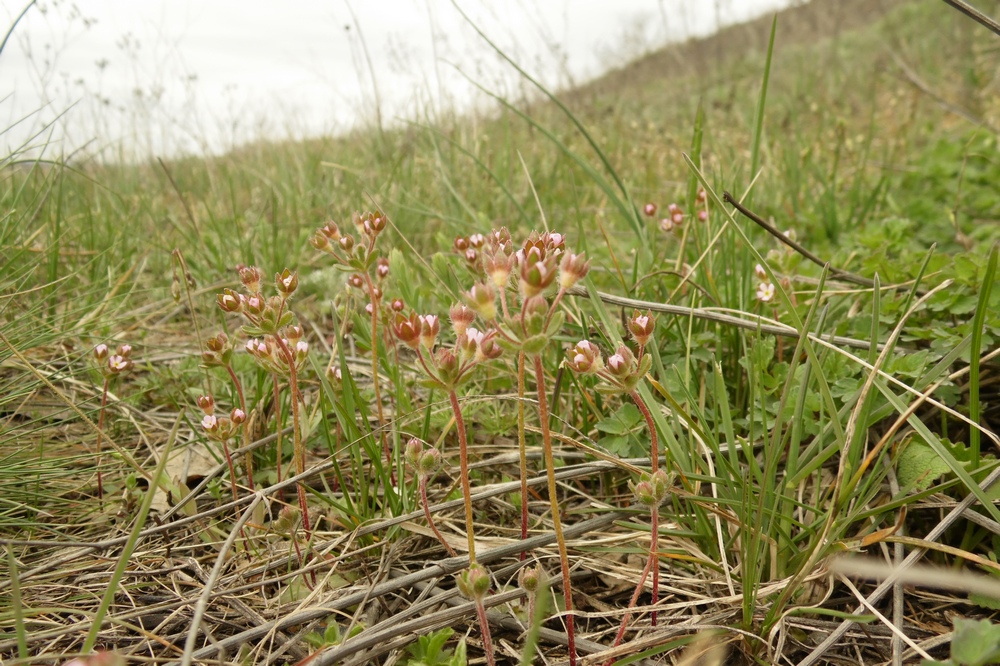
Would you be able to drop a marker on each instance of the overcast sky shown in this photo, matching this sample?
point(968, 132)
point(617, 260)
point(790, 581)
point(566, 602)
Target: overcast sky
point(169, 76)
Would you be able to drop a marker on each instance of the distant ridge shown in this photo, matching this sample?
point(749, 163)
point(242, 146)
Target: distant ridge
point(807, 22)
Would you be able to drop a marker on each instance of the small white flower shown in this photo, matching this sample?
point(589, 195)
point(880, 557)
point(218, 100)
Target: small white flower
point(765, 292)
point(209, 422)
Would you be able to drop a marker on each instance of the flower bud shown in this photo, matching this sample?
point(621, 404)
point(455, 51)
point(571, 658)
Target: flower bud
point(584, 358)
point(652, 489)
point(536, 276)
point(286, 282)
point(641, 327)
point(703, 215)
point(498, 266)
point(407, 330)
point(218, 344)
point(482, 298)
point(622, 363)
point(346, 243)
point(397, 305)
point(649, 209)
point(237, 416)
point(530, 579)
point(100, 352)
point(356, 281)
point(250, 278)
point(229, 301)
point(206, 403)
point(382, 269)
point(461, 316)
point(474, 582)
point(488, 347)
point(319, 241)
point(253, 305)
point(760, 273)
point(430, 326)
point(572, 269)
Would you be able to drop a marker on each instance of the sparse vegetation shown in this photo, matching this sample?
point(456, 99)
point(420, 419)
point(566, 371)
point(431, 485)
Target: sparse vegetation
point(813, 226)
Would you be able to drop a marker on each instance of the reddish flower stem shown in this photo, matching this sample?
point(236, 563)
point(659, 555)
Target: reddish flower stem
point(631, 604)
point(522, 450)
point(375, 383)
point(299, 450)
point(463, 452)
point(655, 513)
point(430, 518)
point(550, 473)
point(654, 442)
point(248, 457)
point(491, 659)
point(100, 432)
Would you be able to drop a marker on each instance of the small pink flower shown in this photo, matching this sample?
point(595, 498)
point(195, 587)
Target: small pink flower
point(649, 209)
point(101, 352)
point(369, 308)
point(117, 363)
point(765, 292)
point(702, 215)
point(616, 362)
point(666, 225)
point(677, 218)
point(206, 403)
point(209, 422)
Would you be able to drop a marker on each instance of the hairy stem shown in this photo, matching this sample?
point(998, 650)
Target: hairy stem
point(522, 450)
point(375, 382)
point(655, 511)
point(550, 473)
point(100, 431)
point(463, 452)
point(631, 604)
point(299, 449)
point(654, 447)
point(491, 659)
point(248, 458)
point(430, 518)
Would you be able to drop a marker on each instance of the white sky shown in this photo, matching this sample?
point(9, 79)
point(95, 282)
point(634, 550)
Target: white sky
point(168, 76)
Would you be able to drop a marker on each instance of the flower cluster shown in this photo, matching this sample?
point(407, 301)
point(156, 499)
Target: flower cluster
point(673, 221)
point(220, 428)
point(447, 367)
point(113, 365)
point(275, 342)
point(424, 461)
point(652, 489)
point(623, 370)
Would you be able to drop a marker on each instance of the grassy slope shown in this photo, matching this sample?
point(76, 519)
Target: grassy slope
point(867, 168)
